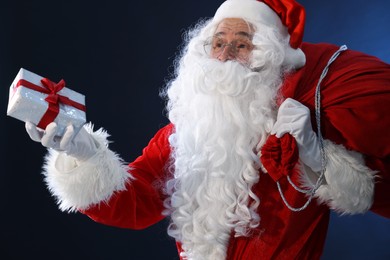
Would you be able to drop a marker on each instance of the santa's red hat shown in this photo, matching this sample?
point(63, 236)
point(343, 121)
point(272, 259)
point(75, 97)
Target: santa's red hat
point(286, 16)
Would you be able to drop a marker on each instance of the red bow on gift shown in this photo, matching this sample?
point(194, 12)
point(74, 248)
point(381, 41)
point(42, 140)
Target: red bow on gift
point(53, 87)
point(279, 156)
point(53, 99)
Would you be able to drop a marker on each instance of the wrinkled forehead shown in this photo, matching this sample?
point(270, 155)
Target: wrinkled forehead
point(234, 27)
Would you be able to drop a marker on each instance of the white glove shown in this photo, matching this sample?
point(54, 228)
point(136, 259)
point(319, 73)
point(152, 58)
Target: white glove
point(80, 146)
point(294, 118)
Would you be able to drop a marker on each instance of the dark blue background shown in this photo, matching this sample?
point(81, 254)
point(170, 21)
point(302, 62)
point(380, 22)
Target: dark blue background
point(119, 54)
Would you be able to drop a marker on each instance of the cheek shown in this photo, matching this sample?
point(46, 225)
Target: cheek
point(213, 55)
point(244, 59)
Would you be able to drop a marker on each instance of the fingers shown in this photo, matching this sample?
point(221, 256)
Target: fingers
point(291, 107)
point(46, 137)
point(34, 133)
point(49, 138)
point(289, 102)
point(286, 124)
point(292, 116)
point(67, 138)
point(280, 128)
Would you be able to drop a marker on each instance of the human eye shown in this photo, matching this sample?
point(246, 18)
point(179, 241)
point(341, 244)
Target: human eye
point(218, 44)
point(243, 45)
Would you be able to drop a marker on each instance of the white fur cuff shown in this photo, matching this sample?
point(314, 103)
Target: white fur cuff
point(349, 187)
point(79, 185)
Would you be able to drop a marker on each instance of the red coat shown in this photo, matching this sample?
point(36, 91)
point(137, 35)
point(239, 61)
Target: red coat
point(355, 95)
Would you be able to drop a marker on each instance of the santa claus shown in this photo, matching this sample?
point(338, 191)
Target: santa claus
point(267, 134)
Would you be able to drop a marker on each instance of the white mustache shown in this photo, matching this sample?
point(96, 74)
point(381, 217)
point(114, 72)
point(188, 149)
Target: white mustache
point(229, 78)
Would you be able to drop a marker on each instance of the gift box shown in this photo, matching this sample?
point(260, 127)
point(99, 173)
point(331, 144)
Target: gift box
point(42, 101)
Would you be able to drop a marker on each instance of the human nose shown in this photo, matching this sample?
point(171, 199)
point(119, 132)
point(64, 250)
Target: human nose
point(227, 53)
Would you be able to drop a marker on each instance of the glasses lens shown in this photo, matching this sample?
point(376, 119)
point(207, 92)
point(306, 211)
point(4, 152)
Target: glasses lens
point(239, 47)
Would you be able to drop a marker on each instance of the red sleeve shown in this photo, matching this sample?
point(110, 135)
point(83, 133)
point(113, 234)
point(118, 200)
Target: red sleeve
point(141, 204)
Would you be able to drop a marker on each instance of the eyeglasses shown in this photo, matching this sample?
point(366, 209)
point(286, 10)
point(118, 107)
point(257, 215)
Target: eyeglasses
point(240, 48)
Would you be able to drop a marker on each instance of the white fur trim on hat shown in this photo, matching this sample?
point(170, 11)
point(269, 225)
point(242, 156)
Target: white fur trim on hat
point(250, 10)
point(79, 185)
point(258, 12)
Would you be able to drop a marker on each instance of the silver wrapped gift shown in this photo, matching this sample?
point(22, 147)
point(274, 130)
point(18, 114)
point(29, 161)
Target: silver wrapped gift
point(41, 101)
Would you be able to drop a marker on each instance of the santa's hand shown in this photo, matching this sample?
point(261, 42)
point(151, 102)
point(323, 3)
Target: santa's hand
point(79, 145)
point(294, 118)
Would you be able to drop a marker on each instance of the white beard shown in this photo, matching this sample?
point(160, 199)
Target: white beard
point(222, 114)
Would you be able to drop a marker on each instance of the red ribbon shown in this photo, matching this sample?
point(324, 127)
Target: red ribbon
point(279, 156)
point(53, 99)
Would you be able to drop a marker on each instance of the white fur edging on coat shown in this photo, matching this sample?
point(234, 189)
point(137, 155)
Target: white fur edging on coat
point(349, 187)
point(80, 185)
